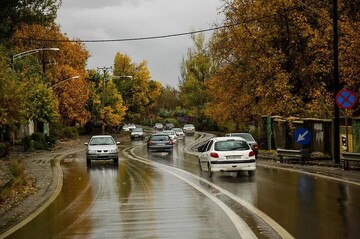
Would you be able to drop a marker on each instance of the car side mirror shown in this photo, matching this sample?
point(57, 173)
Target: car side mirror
point(117, 143)
point(86, 144)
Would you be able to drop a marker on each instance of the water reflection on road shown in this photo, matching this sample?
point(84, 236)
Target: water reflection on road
point(137, 200)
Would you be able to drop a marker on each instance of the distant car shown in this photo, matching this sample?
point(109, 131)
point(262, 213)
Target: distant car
point(227, 154)
point(128, 127)
point(189, 129)
point(102, 147)
point(137, 133)
point(249, 138)
point(179, 132)
point(158, 126)
point(172, 135)
point(169, 126)
point(159, 142)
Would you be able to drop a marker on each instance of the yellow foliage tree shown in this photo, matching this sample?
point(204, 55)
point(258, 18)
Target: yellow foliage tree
point(57, 67)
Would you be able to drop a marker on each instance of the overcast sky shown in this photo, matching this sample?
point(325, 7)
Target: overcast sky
point(119, 19)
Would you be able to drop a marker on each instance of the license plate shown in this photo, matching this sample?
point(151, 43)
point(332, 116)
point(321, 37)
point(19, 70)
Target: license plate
point(233, 157)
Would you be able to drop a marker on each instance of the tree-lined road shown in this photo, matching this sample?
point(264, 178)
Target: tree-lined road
point(166, 196)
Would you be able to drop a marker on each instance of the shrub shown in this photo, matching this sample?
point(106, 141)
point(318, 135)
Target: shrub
point(39, 141)
point(70, 132)
point(4, 150)
point(27, 143)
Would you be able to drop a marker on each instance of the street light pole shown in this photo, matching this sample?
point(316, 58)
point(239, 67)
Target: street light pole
point(336, 124)
point(56, 85)
point(30, 52)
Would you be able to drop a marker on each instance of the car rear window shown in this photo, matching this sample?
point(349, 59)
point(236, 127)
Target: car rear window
point(102, 141)
point(247, 137)
point(159, 138)
point(231, 145)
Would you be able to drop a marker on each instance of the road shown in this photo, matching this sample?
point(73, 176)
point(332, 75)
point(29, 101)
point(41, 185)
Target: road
point(160, 195)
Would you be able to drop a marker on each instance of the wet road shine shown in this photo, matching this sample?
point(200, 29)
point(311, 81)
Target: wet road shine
point(162, 195)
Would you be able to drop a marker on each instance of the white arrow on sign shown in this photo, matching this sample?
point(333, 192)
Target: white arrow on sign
point(301, 137)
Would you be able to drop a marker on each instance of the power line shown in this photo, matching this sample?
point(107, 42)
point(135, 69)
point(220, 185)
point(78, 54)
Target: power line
point(128, 39)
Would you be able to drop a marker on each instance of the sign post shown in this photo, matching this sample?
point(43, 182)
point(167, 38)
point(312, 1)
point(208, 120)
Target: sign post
point(346, 99)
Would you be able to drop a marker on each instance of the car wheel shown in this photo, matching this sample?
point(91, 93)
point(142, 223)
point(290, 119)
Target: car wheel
point(116, 161)
point(210, 174)
point(251, 173)
point(88, 161)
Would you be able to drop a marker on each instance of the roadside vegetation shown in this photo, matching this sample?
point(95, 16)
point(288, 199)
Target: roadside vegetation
point(16, 184)
point(273, 58)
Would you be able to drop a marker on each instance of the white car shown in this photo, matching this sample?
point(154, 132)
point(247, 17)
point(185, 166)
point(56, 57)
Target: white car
point(172, 135)
point(179, 132)
point(128, 127)
point(227, 154)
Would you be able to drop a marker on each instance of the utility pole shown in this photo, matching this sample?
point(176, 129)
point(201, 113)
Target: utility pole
point(336, 124)
point(105, 71)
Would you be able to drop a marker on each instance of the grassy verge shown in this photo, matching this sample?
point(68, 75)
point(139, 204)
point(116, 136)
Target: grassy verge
point(17, 183)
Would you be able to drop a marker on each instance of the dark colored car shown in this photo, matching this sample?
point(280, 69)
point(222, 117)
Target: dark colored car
point(249, 138)
point(160, 142)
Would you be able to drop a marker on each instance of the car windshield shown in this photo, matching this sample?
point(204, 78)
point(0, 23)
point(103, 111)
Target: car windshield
point(177, 129)
point(159, 138)
point(231, 145)
point(102, 141)
point(188, 125)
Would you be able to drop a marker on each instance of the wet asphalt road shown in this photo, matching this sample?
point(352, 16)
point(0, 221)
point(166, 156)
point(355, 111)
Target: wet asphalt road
point(162, 195)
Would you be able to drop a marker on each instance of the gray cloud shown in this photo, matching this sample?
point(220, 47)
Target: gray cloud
point(92, 19)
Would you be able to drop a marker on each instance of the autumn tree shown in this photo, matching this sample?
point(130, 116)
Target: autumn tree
point(275, 59)
point(56, 68)
point(133, 82)
point(105, 104)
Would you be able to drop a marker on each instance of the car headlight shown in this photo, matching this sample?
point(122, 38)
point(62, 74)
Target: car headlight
point(113, 151)
point(91, 151)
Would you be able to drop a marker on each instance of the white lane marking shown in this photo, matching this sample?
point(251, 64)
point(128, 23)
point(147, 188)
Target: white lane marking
point(312, 174)
point(277, 227)
point(242, 228)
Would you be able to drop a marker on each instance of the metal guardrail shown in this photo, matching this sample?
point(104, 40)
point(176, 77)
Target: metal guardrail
point(300, 154)
point(346, 157)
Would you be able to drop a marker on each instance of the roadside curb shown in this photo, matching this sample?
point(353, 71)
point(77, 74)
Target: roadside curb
point(56, 177)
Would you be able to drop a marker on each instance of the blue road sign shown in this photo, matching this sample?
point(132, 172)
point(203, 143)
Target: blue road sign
point(345, 99)
point(302, 136)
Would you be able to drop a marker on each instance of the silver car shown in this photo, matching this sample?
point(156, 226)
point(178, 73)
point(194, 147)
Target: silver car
point(179, 132)
point(189, 129)
point(160, 142)
point(102, 147)
point(137, 133)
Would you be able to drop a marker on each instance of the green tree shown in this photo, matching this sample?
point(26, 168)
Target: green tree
point(196, 69)
point(15, 12)
point(105, 104)
point(13, 102)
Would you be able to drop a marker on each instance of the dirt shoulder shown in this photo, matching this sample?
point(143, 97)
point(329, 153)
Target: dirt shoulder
point(44, 175)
